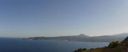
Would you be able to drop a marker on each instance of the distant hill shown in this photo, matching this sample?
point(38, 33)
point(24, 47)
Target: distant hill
point(85, 38)
point(114, 46)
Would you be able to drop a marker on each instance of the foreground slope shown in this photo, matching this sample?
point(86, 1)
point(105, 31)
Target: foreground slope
point(114, 46)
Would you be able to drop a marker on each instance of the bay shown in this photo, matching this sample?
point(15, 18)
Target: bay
point(20, 45)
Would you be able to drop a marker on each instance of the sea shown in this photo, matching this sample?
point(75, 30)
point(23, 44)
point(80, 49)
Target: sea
point(20, 45)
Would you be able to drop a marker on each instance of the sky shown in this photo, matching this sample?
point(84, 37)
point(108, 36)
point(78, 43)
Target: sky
point(30, 18)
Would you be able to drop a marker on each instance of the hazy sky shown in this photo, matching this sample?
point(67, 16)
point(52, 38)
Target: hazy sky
point(28, 18)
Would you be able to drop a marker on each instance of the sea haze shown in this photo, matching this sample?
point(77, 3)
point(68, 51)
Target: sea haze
point(20, 45)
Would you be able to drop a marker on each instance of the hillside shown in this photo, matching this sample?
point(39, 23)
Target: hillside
point(114, 46)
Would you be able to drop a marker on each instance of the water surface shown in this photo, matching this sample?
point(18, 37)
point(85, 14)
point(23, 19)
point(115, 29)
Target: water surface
point(19, 45)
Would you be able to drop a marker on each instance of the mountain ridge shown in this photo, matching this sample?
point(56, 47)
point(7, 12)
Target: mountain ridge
point(84, 38)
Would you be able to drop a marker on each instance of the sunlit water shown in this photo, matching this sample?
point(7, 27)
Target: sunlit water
point(19, 45)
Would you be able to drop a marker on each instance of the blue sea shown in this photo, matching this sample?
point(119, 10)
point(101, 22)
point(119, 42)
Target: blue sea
point(20, 45)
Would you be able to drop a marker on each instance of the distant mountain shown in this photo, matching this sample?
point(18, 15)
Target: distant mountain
point(115, 37)
point(121, 35)
point(82, 35)
point(85, 38)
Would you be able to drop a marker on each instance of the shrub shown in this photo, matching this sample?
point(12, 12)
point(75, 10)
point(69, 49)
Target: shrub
point(113, 44)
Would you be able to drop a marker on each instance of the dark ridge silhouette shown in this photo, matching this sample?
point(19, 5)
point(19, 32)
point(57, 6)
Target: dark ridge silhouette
point(125, 40)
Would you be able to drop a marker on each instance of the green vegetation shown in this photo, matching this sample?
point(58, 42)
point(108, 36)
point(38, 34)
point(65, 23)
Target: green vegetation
point(80, 50)
point(114, 46)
